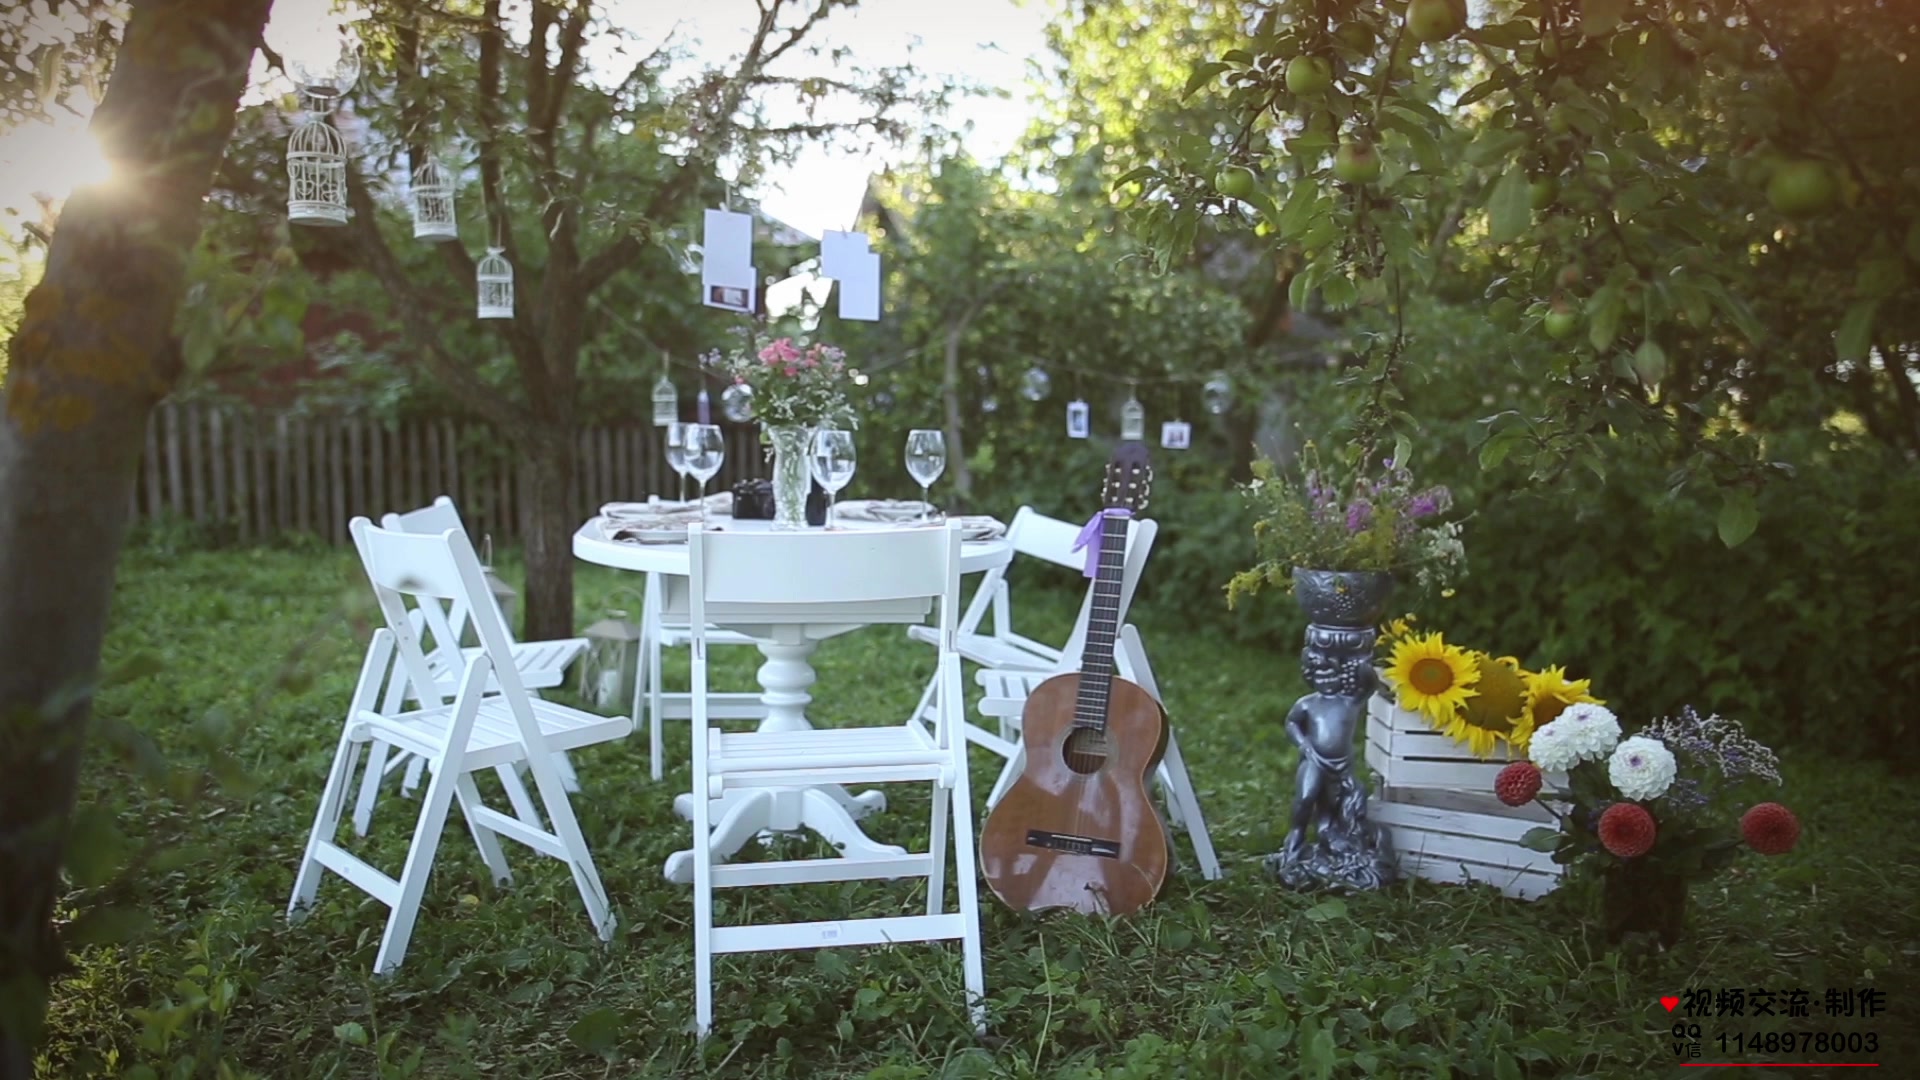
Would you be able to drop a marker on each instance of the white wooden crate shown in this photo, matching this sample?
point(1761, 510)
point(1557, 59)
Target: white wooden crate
point(1436, 800)
point(1405, 750)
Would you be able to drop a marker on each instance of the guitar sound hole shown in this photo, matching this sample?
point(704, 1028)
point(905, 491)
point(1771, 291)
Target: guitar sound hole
point(1085, 750)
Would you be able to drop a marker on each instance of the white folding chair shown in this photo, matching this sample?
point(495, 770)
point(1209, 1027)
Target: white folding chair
point(659, 632)
point(848, 579)
point(475, 730)
point(1006, 698)
point(1047, 539)
point(541, 665)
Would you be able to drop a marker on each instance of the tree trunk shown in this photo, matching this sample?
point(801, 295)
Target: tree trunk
point(549, 532)
point(94, 354)
point(955, 437)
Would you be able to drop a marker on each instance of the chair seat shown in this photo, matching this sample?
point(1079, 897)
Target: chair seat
point(987, 650)
point(1006, 692)
point(496, 738)
point(738, 752)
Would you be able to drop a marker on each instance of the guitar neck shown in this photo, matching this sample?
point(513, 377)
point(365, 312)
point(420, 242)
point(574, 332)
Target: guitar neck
point(1103, 626)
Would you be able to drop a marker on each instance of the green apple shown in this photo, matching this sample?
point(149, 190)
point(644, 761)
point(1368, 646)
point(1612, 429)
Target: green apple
point(1561, 321)
point(1434, 20)
point(1321, 123)
point(1356, 162)
point(1802, 189)
point(1234, 181)
point(1357, 36)
point(1542, 192)
point(1309, 75)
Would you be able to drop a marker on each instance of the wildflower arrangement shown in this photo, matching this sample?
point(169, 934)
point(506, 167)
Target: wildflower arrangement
point(791, 386)
point(1366, 521)
point(1652, 802)
point(1472, 696)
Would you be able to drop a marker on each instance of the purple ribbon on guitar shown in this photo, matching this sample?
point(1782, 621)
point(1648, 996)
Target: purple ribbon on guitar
point(1089, 537)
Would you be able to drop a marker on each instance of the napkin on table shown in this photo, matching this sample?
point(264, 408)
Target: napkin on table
point(636, 522)
point(974, 527)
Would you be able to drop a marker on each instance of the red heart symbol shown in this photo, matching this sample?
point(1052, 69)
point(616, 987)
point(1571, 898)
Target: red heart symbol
point(1670, 1002)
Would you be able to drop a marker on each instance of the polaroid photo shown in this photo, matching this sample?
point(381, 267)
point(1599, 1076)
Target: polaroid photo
point(842, 254)
point(1176, 435)
point(1079, 422)
point(726, 261)
point(731, 298)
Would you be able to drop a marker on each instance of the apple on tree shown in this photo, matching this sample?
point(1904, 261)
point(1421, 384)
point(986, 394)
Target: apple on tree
point(1435, 20)
point(1356, 162)
point(1561, 320)
point(1308, 76)
point(1234, 181)
point(1802, 189)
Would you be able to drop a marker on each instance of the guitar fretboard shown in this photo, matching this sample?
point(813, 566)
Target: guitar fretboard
point(1103, 625)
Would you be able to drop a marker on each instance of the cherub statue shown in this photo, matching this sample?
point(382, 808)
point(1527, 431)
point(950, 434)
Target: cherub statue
point(1345, 849)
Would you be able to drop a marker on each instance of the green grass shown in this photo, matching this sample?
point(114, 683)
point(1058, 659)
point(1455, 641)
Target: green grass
point(1231, 978)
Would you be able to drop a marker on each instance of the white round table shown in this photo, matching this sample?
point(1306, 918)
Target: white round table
point(828, 810)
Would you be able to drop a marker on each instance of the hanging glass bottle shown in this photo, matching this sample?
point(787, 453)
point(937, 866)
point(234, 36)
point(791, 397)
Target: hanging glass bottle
point(495, 278)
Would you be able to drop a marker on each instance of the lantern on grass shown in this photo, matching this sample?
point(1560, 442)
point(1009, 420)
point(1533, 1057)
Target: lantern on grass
point(502, 593)
point(316, 174)
point(495, 278)
point(610, 670)
point(433, 217)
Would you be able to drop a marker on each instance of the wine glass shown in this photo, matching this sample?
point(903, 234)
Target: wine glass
point(831, 463)
point(677, 453)
point(706, 450)
point(926, 460)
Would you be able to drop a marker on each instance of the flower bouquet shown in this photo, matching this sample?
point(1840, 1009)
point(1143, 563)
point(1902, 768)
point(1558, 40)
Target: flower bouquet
point(1359, 523)
point(1648, 812)
point(1471, 696)
point(792, 391)
point(790, 386)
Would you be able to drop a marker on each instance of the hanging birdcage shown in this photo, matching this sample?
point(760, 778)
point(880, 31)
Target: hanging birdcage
point(495, 277)
point(433, 216)
point(1133, 420)
point(316, 174)
point(666, 402)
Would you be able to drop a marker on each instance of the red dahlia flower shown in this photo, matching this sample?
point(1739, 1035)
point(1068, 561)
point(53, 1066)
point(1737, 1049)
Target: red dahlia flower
point(1627, 830)
point(1518, 783)
point(1770, 829)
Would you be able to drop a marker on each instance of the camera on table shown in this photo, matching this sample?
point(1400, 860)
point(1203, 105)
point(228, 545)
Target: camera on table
point(753, 501)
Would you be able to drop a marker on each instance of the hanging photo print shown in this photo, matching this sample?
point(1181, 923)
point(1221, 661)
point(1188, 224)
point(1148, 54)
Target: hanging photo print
point(848, 258)
point(1077, 420)
point(1176, 435)
point(726, 268)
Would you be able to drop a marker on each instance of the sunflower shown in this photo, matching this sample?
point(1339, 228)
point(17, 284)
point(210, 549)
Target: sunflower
point(1396, 630)
point(1549, 692)
point(1498, 709)
point(1432, 677)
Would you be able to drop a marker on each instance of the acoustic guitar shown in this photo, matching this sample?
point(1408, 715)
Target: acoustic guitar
point(1078, 829)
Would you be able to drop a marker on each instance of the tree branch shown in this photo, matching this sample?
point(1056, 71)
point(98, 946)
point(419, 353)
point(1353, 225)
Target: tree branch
point(414, 306)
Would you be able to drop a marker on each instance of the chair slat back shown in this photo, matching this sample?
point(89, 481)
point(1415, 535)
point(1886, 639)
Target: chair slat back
point(428, 569)
point(1038, 536)
point(448, 621)
point(807, 570)
point(1140, 536)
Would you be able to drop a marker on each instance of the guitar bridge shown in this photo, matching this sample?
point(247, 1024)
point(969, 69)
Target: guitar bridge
point(1075, 845)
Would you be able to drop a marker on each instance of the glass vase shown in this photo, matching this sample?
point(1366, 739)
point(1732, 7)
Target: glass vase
point(791, 482)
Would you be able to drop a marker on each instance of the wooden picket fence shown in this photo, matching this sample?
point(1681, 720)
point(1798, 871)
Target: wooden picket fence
point(252, 473)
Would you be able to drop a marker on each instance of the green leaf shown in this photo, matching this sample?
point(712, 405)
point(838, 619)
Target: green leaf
point(1328, 910)
point(1540, 838)
point(598, 1032)
point(1402, 451)
point(350, 1033)
point(1505, 1067)
point(1856, 330)
point(1736, 309)
point(1510, 207)
point(1399, 1018)
point(1738, 517)
point(1601, 17)
point(1505, 35)
point(1499, 445)
point(1203, 75)
point(1302, 201)
point(1604, 308)
point(1141, 172)
point(1317, 1054)
point(114, 925)
point(1479, 91)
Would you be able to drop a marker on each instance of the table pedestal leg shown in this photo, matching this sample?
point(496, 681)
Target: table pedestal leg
point(745, 813)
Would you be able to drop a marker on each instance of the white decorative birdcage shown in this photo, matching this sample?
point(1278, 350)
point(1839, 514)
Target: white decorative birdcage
point(433, 214)
point(666, 402)
point(316, 174)
point(495, 278)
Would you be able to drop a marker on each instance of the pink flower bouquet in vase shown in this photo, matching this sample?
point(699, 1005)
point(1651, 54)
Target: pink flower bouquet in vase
point(793, 390)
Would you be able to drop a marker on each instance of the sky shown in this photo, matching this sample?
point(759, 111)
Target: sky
point(986, 41)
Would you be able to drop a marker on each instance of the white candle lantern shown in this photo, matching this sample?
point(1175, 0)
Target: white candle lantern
point(495, 278)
